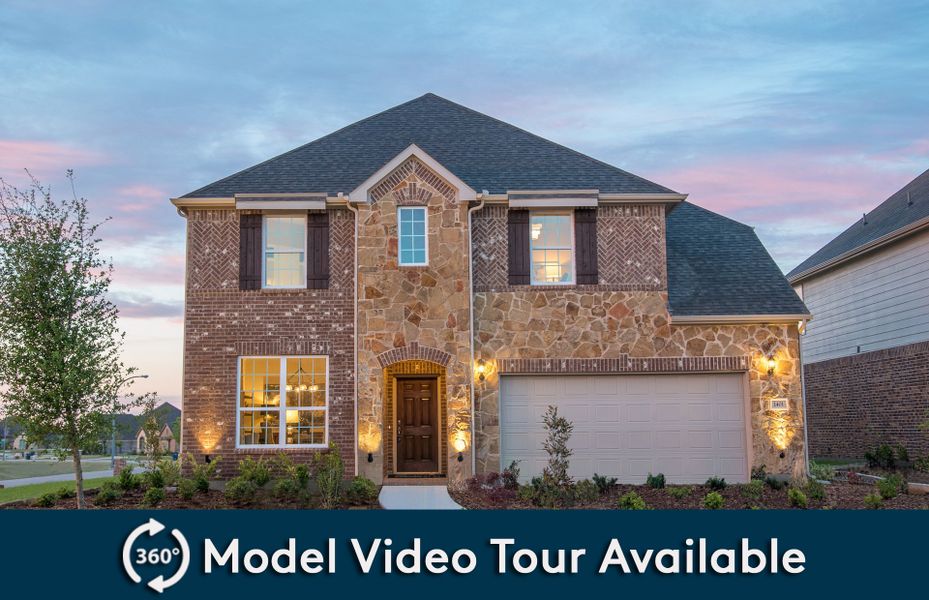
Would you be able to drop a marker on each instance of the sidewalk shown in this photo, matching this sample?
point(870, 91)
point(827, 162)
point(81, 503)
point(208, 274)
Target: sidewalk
point(10, 483)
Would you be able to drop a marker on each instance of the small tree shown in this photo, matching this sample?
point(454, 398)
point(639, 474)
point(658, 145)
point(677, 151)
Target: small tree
point(556, 445)
point(60, 346)
point(152, 429)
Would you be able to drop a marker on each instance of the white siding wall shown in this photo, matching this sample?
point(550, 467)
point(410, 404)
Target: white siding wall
point(876, 302)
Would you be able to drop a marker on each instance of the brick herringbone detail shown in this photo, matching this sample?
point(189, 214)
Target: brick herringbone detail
point(631, 246)
point(414, 351)
point(624, 364)
point(215, 264)
point(489, 247)
point(413, 183)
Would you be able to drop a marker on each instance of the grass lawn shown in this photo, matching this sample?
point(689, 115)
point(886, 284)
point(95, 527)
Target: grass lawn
point(26, 492)
point(17, 469)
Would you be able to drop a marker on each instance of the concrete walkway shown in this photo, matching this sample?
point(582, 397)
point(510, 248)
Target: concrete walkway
point(10, 483)
point(417, 497)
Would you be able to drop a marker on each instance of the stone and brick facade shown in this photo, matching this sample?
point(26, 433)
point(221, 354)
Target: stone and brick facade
point(858, 402)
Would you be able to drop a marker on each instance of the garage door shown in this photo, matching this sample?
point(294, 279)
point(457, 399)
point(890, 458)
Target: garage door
point(688, 427)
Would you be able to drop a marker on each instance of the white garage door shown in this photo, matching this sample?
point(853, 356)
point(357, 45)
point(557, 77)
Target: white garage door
point(689, 427)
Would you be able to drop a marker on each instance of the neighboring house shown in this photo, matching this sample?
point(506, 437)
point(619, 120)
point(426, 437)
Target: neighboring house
point(128, 426)
point(866, 354)
point(166, 437)
point(419, 286)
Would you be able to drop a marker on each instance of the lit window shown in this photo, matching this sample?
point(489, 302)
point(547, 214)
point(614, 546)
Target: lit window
point(412, 236)
point(296, 417)
point(284, 251)
point(551, 242)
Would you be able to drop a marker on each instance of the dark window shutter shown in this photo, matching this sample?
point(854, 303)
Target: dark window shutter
point(249, 252)
point(518, 246)
point(317, 248)
point(585, 245)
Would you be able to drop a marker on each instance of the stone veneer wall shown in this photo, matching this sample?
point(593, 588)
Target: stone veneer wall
point(222, 323)
point(535, 331)
point(409, 313)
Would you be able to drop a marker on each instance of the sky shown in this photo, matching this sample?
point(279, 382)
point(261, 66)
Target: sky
point(792, 117)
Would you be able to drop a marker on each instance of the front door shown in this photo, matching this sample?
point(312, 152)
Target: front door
point(417, 426)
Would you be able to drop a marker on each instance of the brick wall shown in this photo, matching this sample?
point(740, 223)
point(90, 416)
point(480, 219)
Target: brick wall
point(855, 403)
point(223, 323)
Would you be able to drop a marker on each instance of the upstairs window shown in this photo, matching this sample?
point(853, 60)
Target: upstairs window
point(551, 247)
point(284, 252)
point(414, 246)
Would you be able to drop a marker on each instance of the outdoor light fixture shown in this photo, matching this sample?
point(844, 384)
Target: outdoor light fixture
point(460, 444)
point(208, 458)
point(481, 368)
point(370, 457)
point(771, 363)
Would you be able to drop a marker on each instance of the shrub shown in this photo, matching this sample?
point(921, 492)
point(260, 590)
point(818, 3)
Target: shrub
point(299, 472)
point(882, 457)
point(153, 496)
point(127, 481)
point(108, 493)
point(759, 472)
point(240, 490)
point(873, 501)
point(632, 501)
point(328, 469)
point(65, 492)
point(526, 493)
point(558, 432)
point(361, 490)
point(170, 471)
point(203, 473)
point(716, 483)
point(256, 471)
point(547, 493)
point(713, 501)
point(890, 486)
point(154, 478)
point(510, 476)
point(753, 490)
point(586, 491)
point(821, 471)
point(774, 483)
point(903, 454)
point(186, 488)
point(815, 490)
point(46, 500)
point(922, 464)
point(680, 492)
point(797, 498)
point(287, 488)
point(604, 484)
point(655, 482)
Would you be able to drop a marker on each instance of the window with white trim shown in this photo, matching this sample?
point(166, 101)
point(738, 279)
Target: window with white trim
point(284, 252)
point(283, 401)
point(413, 243)
point(551, 247)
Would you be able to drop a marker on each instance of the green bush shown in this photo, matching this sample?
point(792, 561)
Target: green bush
point(604, 484)
point(774, 483)
point(127, 481)
point(65, 492)
point(821, 472)
point(203, 473)
point(679, 492)
point(361, 491)
point(713, 501)
point(655, 482)
point(797, 498)
point(170, 471)
point(882, 457)
point(46, 500)
point(922, 464)
point(153, 496)
point(154, 478)
point(526, 493)
point(586, 491)
point(108, 493)
point(716, 483)
point(903, 455)
point(256, 471)
point(186, 488)
point(328, 469)
point(632, 501)
point(759, 472)
point(288, 489)
point(240, 490)
point(752, 490)
point(510, 476)
point(873, 501)
point(815, 490)
point(890, 486)
point(548, 494)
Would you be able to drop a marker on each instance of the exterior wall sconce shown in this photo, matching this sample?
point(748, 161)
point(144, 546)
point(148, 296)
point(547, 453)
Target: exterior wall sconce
point(481, 369)
point(370, 457)
point(460, 445)
point(208, 458)
point(771, 363)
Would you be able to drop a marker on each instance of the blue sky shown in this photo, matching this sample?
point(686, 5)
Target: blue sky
point(793, 117)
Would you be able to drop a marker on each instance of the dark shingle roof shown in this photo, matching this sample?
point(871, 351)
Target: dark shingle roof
point(484, 152)
point(717, 266)
point(893, 214)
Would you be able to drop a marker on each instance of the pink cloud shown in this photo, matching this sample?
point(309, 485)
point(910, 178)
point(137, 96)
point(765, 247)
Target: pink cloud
point(140, 198)
point(43, 157)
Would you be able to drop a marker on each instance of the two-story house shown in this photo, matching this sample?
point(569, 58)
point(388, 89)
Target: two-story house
point(866, 355)
point(420, 286)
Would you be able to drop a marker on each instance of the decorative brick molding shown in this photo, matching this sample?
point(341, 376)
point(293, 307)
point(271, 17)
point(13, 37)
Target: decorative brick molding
point(414, 351)
point(624, 364)
point(412, 367)
point(413, 183)
point(282, 347)
point(858, 402)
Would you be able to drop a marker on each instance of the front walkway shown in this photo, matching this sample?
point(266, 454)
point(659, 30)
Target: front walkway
point(417, 497)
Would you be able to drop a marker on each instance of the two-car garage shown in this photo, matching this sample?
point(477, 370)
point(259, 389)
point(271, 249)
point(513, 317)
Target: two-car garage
point(689, 427)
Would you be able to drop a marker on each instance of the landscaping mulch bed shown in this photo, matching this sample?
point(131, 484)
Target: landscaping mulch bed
point(911, 475)
point(213, 500)
point(838, 496)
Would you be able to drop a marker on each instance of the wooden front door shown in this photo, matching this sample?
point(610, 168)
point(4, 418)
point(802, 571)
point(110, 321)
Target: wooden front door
point(417, 426)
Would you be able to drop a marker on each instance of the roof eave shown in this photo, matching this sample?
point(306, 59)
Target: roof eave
point(739, 319)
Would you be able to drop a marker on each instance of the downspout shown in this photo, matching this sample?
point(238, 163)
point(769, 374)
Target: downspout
point(806, 435)
point(471, 325)
point(354, 210)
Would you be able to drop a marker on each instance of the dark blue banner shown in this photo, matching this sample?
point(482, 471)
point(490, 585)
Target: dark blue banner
point(465, 553)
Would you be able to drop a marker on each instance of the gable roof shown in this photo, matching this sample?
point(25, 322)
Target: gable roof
point(482, 151)
point(904, 211)
point(717, 266)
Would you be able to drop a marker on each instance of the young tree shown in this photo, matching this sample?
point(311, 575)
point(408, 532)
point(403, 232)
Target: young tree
point(558, 433)
point(152, 428)
point(60, 345)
